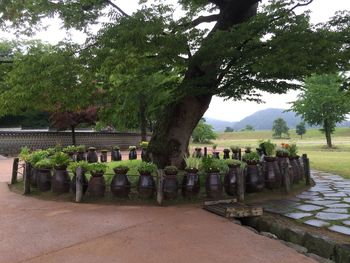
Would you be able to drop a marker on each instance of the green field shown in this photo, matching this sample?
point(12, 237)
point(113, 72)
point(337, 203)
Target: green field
point(336, 160)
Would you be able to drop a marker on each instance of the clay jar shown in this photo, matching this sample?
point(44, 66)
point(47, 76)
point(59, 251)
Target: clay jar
point(198, 153)
point(116, 155)
point(146, 185)
point(92, 155)
point(170, 185)
point(103, 156)
point(43, 179)
point(190, 183)
point(213, 184)
point(97, 185)
point(230, 180)
point(81, 156)
point(60, 180)
point(272, 173)
point(295, 169)
point(226, 154)
point(120, 185)
point(216, 155)
point(254, 178)
point(132, 154)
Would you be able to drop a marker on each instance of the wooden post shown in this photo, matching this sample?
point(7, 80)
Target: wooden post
point(306, 163)
point(79, 185)
point(240, 154)
point(240, 185)
point(26, 178)
point(14, 170)
point(160, 179)
point(285, 176)
point(205, 151)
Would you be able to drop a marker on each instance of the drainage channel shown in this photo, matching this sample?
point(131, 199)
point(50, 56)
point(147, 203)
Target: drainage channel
point(314, 244)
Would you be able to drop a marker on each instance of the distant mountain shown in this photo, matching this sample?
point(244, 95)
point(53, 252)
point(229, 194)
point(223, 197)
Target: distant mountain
point(263, 120)
point(219, 125)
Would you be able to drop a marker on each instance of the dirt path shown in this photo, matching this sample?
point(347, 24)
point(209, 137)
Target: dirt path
point(33, 230)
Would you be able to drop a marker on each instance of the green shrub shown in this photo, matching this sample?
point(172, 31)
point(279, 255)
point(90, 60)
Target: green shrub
point(252, 156)
point(97, 167)
point(131, 148)
point(83, 164)
point(24, 155)
point(144, 144)
point(234, 148)
point(193, 163)
point(45, 163)
point(268, 147)
point(121, 168)
point(36, 156)
point(81, 149)
point(60, 159)
point(116, 147)
point(70, 149)
point(214, 165)
point(231, 162)
point(145, 167)
point(171, 170)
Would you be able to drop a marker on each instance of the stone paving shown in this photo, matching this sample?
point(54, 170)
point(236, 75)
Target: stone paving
point(326, 205)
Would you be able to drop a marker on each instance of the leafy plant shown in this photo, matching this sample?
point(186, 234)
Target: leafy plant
point(280, 151)
point(232, 162)
point(234, 148)
point(36, 156)
point(132, 148)
point(70, 149)
point(171, 170)
point(24, 155)
point(60, 159)
point(116, 147)
point(214, 146)
point(293, 150)
point(248, 148)
point(45, 163)
point(81, 149)
point(83, 164)
point(144, 144)
point(104, 151)
point(250, 157)
point(121, 169)
point(146, 168)
point(214, 165)
point(268, 147)
point(97, 168)
point(92, 149)
point(193, 163)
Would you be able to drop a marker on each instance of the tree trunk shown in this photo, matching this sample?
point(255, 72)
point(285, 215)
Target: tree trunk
point(73, 135)
point(169, 143)
point(328, 131)
point(143, 118)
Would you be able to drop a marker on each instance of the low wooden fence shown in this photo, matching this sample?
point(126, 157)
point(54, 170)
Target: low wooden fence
point(11, 142)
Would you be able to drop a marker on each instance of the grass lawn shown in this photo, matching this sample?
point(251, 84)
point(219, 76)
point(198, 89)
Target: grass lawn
point(335, 160)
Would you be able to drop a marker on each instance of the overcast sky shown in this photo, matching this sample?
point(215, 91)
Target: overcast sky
point(219, 109)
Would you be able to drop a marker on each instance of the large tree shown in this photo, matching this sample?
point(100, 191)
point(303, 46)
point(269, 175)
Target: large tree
point(323, 102)
point(280, 127)
point(245, 51)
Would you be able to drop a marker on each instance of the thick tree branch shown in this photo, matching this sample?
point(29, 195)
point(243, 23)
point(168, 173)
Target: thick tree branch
point(117, 7)
point(200, 20)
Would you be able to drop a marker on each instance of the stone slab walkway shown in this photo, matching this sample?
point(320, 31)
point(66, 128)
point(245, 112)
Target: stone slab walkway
point(325, 205)
point(33, 230)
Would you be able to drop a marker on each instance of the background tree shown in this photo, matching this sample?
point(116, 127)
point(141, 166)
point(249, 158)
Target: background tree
point(300, 129)
point(49, 79)
point(248, 127)
point(203, 133)
point(229, 129)
point(243, 53)
point(323, 102)
point(280, 127)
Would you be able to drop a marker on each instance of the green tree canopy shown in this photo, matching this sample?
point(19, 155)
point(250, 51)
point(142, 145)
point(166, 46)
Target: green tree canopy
point(300, 129)
point(323, 102)
point(247, 50)
point(203, 133)
point(280, 127)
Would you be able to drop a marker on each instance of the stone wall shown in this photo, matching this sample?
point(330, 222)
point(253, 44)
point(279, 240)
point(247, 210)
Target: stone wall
point(11, 142)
